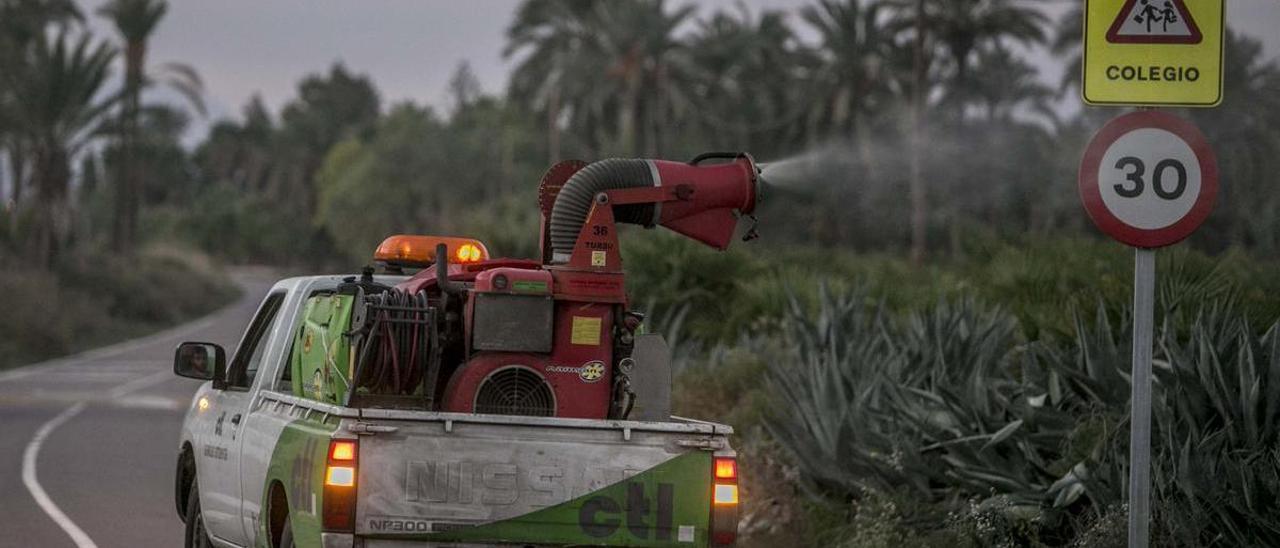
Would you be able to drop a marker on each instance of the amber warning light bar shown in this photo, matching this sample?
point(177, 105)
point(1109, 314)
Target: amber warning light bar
point(414, 251)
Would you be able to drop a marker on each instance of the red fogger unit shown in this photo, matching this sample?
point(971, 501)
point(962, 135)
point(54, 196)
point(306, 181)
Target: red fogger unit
point(554, 337)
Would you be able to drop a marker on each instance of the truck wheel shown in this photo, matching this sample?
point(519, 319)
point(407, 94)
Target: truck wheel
point(286, 536)
point(195, 535)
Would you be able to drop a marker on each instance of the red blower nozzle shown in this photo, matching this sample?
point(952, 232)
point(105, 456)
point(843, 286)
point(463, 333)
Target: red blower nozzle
point(709, 198)
point(699, 199)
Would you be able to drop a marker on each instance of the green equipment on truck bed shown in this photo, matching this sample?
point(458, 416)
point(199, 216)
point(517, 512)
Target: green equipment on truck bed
point(321, 360)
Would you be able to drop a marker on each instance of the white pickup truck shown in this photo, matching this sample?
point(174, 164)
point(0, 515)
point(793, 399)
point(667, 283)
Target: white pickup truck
point(260, 466)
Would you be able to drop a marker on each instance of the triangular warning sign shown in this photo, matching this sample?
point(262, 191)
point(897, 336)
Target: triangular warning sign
point(1154, 22)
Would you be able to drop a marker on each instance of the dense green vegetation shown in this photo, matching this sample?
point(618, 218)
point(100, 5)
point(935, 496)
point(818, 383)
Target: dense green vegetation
point(927, 347)
point(983, 402)
point(837, 113)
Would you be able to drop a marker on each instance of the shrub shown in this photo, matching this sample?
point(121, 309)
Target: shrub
point(93, 298)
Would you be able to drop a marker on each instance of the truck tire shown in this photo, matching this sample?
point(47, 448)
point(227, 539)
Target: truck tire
point(286, 535)
point(195, 535)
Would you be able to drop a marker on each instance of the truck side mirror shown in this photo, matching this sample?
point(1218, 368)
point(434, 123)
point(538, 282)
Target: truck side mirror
point(201, 360)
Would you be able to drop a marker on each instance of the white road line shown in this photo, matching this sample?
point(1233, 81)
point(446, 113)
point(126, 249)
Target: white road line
point(29, 456)
point(32, 453)
point(138, 384)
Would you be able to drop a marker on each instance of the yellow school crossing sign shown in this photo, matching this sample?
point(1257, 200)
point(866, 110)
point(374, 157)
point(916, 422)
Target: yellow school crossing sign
point(1153, 52)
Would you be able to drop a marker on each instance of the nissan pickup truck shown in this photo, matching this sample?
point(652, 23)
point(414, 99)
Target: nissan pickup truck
point(478, 401)
point(264, 462)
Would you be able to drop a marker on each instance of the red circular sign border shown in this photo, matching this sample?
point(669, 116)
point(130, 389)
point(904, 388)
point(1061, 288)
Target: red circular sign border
point(1113, 226)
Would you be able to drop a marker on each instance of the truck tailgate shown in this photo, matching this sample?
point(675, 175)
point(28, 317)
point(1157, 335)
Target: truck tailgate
point(535, 480)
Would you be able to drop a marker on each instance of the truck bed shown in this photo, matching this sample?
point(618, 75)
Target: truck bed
point(493, 479)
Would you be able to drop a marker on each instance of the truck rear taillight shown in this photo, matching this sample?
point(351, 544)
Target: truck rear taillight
point(726, 494)
point(726, 469)
point(339, 505)
point(724, 501)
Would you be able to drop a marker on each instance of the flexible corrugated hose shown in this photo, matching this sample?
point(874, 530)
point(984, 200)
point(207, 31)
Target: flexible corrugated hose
point(573, 204)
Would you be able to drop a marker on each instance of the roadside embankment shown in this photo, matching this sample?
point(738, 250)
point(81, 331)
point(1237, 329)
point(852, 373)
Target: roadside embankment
point(94, 298)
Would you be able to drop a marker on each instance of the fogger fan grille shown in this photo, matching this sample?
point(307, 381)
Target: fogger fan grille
point(515, 391)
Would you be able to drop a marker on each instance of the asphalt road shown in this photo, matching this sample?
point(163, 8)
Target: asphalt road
point(88, 443)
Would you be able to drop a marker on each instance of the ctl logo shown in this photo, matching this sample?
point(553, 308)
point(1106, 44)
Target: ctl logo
point(601, 516)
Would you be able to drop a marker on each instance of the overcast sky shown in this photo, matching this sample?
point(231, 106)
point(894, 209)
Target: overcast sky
point(409, 48)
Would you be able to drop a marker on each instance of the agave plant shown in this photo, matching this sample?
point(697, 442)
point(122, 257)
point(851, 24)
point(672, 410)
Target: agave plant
point(1217, 431)
point(949, 405)
point(929, 405)
point(839, 353)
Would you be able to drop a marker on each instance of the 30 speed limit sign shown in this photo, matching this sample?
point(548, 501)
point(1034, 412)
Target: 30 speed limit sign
point(1148, 179)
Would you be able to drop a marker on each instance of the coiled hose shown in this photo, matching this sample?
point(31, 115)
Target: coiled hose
point(393, 349)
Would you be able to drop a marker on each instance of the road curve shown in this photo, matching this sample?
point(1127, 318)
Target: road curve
point(88, 443)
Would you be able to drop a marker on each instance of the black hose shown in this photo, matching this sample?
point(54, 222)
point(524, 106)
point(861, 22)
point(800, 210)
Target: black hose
point(395, 343)
point(573, 204)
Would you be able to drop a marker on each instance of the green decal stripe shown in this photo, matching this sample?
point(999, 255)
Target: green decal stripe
point(298, 463)
point(647, 509)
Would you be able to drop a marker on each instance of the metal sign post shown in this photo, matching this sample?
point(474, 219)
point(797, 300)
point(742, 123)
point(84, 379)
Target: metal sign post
point(1144, 291)
point(1148, 179)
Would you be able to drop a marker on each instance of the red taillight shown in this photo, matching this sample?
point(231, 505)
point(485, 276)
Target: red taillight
point(342, 450)
point(339, 504)
point(726, 468)
point(724, 501)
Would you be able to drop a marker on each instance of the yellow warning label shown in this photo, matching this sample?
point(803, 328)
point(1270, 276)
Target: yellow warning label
point(586, 331)
point(598, 258)
point(1153, 53)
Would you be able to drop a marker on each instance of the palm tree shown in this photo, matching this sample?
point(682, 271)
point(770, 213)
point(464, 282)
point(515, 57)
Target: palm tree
point(551, 34)
point(57, 110)
point(135, 21)
point(961, 27)
point(1002, 82)
point(22, 22)
point(650, 68)
point(614, 69)
point(749, 88)
point(958, 28)
point(1067, 37)
point(856, 77)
